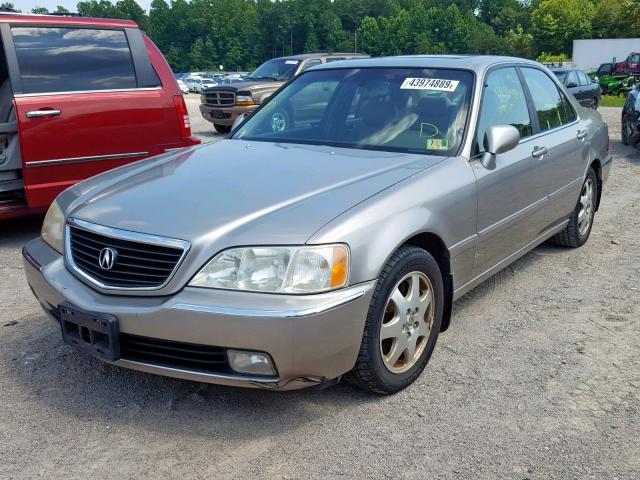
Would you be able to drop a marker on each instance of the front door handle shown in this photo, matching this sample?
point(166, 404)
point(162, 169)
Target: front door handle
point(539, 151)
point(48, 112)
point(581, 135)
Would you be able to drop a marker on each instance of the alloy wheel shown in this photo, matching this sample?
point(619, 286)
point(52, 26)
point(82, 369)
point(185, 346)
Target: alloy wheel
point(585, 215)
point(407, 321)
point(278, 122)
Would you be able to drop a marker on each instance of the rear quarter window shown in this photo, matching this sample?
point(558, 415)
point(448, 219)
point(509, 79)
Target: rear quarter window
point(73, 59)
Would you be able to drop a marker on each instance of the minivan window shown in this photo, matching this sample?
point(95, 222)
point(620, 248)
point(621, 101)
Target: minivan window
point(551, 106)
point(410, 110)
point(73, 59)
point(503, 103)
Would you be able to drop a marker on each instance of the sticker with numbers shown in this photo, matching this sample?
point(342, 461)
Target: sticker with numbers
point(430, 84)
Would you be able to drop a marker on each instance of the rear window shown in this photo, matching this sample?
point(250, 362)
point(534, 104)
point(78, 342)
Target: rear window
point(73, 59)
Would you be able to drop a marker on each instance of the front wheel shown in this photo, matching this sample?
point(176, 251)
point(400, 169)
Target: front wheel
point(222, 128)
point(577, 231)
point(403, 323)
point(593, 104)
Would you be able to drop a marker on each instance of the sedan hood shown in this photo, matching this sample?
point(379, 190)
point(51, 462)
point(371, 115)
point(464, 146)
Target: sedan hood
point(238, 193)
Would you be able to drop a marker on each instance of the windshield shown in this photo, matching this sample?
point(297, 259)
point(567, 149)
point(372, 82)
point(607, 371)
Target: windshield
point(278, 69)
point(562, 76)
point(393, 109)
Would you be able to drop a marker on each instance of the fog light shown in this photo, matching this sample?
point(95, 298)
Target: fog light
point(250, 362)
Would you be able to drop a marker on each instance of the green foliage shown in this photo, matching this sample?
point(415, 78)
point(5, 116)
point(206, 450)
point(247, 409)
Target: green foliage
point(241, 34)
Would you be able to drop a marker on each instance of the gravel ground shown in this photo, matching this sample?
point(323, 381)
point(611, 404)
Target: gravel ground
point(537, 378)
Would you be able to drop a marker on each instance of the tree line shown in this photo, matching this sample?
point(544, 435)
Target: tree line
point(240, 34)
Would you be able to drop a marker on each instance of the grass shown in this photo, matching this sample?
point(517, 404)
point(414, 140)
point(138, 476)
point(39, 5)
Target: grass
point(611, 101)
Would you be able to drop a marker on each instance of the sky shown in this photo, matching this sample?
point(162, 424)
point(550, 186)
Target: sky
point(27, 5)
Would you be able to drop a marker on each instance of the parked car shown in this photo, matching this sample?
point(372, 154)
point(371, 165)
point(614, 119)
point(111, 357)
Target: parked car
point(191, 81)
point(630, 65)
point(223, 104)
point(201, 84)
point(290, 254)
point(610, 82)
point(586, 91)
point(630, 119)
point(79, 96)
point(183, 87)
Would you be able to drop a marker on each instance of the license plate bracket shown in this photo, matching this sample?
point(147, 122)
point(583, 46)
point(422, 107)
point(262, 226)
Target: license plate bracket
point(95, 333)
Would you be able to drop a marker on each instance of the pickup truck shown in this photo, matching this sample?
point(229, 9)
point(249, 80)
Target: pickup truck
point(221, 105)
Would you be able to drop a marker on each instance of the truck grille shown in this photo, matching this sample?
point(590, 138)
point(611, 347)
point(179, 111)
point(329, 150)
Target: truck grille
point(168, 353)
point(135, 265)
point(218, 98)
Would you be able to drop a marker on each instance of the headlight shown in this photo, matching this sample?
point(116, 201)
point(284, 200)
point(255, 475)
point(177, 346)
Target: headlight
point(245, 100)
point(277, 269)
point(53, 227)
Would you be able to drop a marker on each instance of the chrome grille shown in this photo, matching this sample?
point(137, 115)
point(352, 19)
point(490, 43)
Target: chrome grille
point(138, 265)
point(219, 98)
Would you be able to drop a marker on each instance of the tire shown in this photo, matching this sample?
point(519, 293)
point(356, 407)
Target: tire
point(576, 234)
point(625, 133)
point(375, 369)
point(593, 104)
point(222, 128)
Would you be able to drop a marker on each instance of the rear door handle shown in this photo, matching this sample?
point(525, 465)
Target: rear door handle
point(49, 112)
point(539, 151)
point(581, 135)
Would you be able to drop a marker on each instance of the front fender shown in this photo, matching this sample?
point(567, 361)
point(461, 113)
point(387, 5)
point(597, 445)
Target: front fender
point(441, 200)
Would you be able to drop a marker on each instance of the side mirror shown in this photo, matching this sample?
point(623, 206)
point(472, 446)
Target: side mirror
point(572, 85)
point(236, 123)
point(498, 139)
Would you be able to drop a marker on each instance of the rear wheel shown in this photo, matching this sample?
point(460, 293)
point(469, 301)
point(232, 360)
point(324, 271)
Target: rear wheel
point(627, 131)
point(222, 128)
point(577, 231)
point(403, 323)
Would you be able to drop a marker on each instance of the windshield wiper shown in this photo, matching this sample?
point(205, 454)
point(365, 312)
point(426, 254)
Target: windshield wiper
point(265, 76)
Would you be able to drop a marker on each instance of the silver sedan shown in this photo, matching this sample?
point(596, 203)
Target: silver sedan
point(328, 235)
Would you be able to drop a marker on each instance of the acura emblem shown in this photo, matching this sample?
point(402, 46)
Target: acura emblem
point(107, 258)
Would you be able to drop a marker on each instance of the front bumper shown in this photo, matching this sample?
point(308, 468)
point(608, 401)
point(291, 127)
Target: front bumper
point(226, 115)
point(312, 339)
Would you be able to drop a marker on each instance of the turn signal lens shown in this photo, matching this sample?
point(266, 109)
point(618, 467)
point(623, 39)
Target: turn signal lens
point(340, 269)
point(245, 100)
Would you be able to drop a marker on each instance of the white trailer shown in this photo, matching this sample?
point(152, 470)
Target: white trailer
point(589, 54)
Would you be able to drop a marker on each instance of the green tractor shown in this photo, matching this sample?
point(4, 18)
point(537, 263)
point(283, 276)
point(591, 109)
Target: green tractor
point(612, 83)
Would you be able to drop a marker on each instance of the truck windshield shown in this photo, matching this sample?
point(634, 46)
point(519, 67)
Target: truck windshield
point(392, 109)
point(277, 69)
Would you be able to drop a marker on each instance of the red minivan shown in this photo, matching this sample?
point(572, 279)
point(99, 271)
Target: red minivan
point(79, 96)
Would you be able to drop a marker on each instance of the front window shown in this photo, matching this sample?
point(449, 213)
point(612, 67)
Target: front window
point(393, 109)
point(279, 69)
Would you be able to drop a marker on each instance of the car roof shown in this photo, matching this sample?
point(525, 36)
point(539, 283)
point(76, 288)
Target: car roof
point(45, 20)
point(467, 62)
point(306, 56)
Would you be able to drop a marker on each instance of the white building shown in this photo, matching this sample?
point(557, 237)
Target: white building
point(589, 54)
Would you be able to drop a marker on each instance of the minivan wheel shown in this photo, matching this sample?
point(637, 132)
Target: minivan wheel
point(577, 231)
point(402, 324)
point(222, 128)
point(594, 104)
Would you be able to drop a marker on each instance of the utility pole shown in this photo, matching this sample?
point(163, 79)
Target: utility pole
point(290, 42)
point(355, 42)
